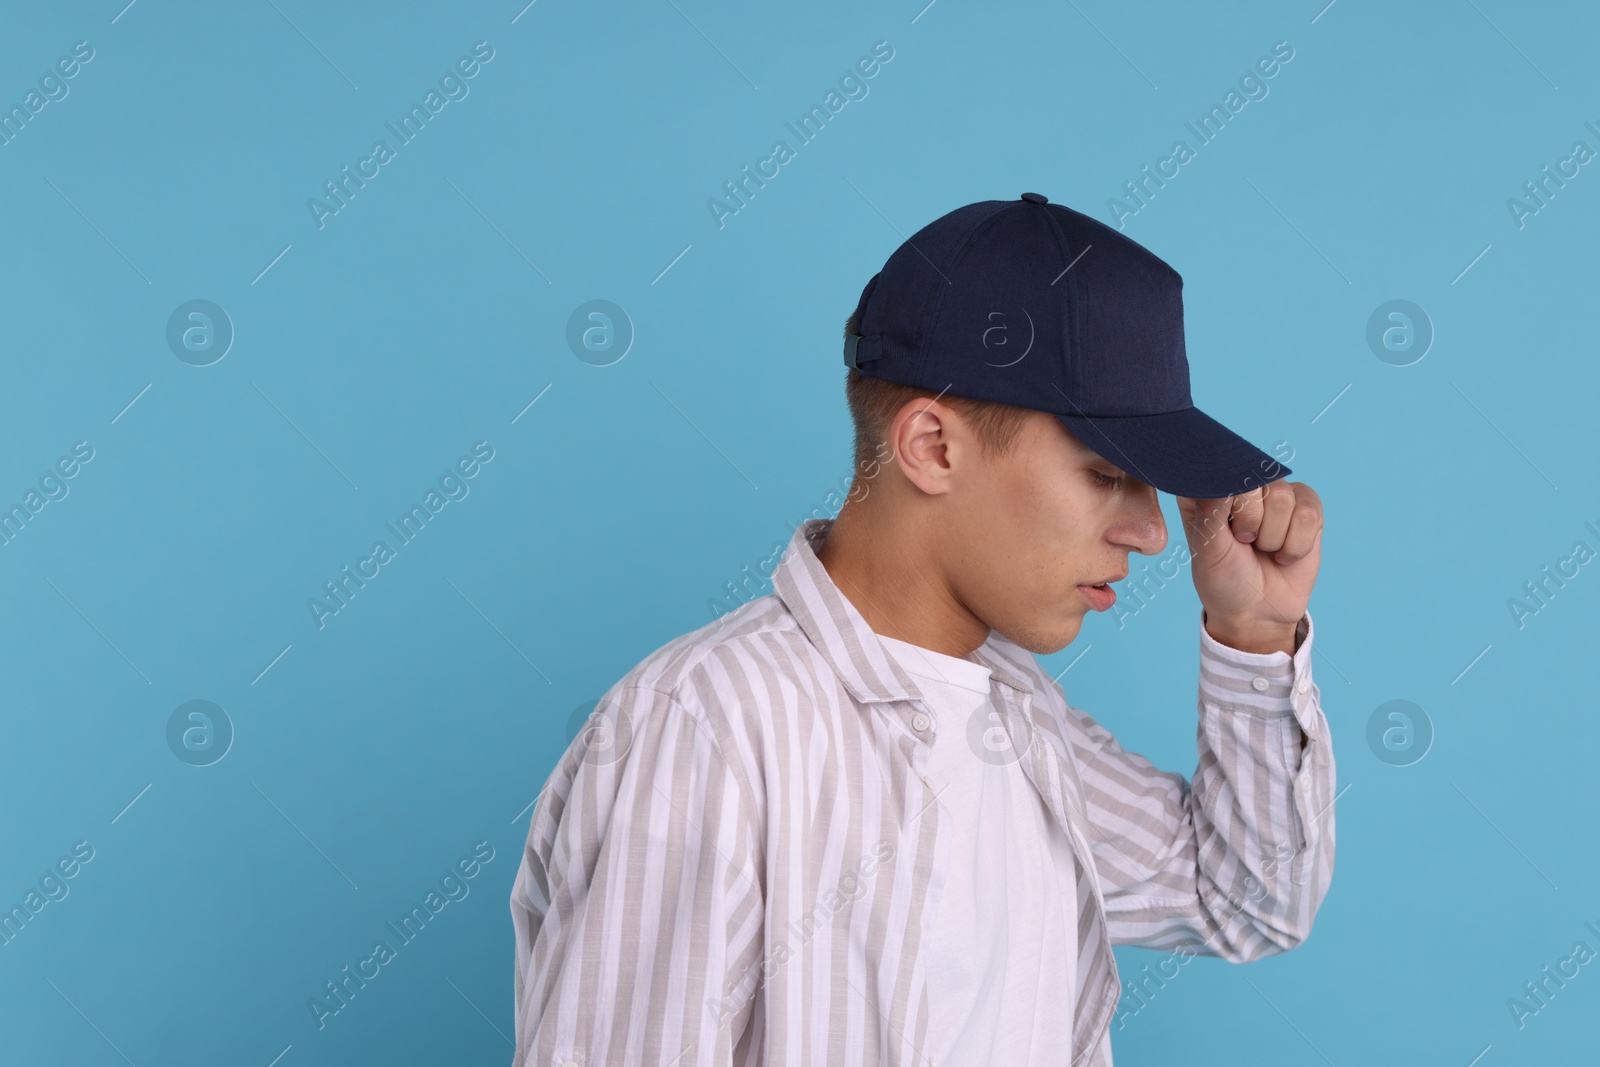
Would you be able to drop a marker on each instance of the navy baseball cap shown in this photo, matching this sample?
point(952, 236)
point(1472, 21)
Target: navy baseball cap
point(1032, 304)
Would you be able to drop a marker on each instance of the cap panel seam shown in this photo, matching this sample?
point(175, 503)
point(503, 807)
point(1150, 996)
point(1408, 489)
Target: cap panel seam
point(1070, 355)
point(937, 308)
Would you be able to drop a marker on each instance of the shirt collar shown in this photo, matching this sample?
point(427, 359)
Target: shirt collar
point(844, 639)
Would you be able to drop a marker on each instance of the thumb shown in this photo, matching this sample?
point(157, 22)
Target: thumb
point(1205, 524)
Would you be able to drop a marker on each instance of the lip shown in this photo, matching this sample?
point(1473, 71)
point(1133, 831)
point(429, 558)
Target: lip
point(1099, 599)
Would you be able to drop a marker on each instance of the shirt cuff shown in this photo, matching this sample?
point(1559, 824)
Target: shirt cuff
point(1264, 684)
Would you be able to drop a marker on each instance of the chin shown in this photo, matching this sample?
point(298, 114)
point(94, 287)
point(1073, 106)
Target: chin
point(1066, 638)
point(1044, 642)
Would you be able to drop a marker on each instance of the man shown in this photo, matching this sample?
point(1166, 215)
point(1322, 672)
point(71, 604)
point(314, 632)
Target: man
point(854, 821)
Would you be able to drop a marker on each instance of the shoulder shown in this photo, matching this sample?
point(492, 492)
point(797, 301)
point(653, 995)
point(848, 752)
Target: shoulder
point(737, 677)
point(663, 744)
point(680, 667)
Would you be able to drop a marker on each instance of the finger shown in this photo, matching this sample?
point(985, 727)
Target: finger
point(1247, 510)
point(1304, 527)
point(1203, 519)
point(1278, 507)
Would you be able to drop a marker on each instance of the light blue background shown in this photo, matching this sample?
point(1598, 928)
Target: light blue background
point(429, 312)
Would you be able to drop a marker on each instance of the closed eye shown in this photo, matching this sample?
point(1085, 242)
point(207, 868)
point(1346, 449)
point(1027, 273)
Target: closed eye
point(1105, 481)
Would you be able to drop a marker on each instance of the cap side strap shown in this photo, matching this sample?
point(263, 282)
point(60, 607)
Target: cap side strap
point(859, 350)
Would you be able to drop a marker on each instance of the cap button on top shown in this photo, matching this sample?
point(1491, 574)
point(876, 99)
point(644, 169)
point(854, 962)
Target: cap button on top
point(1034, 198)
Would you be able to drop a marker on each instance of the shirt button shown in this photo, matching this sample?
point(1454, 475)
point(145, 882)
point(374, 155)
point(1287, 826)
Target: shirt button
point(1305, 683)
point(1259, 684)
point(920, 722)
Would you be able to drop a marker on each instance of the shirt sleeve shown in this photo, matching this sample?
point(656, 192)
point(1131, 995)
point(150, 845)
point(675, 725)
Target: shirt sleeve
point(638, 905)
point(1237, 864)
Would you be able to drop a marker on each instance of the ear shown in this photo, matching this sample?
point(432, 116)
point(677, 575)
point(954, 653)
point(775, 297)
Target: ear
point(929, 438)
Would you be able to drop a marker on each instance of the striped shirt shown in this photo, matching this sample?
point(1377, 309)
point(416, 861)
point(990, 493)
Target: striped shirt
point(731, 864)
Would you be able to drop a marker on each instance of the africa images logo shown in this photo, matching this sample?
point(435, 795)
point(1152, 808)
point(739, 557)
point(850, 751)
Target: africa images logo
point(453, 486)
point(1252, 86)
point(852, 87)
point(999, 341)
point(453, 87)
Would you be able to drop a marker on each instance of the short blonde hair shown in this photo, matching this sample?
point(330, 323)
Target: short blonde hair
point(874, 403)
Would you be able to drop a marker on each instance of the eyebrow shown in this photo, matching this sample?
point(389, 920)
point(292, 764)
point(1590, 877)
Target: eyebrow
point(1096, 458)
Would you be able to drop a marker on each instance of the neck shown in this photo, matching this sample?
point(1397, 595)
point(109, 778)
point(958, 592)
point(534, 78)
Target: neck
point(883, 569)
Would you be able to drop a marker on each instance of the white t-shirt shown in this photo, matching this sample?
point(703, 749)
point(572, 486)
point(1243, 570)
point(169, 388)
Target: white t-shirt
point(1003, 940)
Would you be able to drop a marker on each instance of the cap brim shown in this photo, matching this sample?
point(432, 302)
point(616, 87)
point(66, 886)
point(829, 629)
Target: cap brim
point(1185, 453)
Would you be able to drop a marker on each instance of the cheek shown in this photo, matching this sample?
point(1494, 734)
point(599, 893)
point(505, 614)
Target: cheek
point(1056, 517)
point(1033, 514)
point(1048, 552)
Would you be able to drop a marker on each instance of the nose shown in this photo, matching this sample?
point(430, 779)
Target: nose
point(1144, 529)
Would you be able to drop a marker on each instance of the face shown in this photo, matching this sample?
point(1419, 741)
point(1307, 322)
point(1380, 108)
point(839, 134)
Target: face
point(1030, 527)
